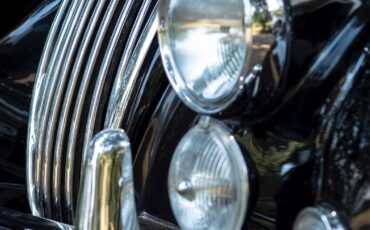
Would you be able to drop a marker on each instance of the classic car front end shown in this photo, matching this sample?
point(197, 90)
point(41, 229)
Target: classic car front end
point(207, 114)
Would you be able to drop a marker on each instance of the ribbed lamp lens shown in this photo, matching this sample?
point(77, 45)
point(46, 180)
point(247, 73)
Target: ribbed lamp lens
point(208, 179)
point(204, 47)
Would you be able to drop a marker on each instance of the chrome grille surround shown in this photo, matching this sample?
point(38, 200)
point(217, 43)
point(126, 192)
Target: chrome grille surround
point(91, 60)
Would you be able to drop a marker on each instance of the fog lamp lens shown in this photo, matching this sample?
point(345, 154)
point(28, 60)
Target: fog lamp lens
point(208, 179)
point(318, 218)
point(204, 46)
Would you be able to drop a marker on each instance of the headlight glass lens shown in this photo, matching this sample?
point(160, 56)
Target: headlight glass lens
point(321, 217)
point(204, 46)
point(208, 179)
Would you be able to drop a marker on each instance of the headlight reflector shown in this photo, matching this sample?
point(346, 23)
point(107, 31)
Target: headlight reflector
point(204, 45)
point(208, 179)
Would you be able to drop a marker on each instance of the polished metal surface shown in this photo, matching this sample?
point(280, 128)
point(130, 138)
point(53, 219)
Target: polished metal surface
point(61, 72)
point(321, 217)
point(92, 44)
point(129, 70)
point(78, 109)
point(67, 104)
point(106, 198)
point(97, 94)
point(44, 159)
point(33, 159)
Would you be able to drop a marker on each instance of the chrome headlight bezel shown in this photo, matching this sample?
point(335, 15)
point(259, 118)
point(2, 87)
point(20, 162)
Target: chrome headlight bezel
point(237, 163)
point(324, 215)
point(187, 95)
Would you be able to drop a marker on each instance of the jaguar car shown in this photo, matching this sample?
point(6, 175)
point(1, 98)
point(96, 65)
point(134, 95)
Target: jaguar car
point(185, 114)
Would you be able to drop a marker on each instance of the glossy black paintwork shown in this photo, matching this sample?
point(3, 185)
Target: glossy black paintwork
point(20, 51)
point(10, 219)
point(300, 115)
point(310, 28)
point(13, 12)
point(346, 147)
point(147, 94)
point(281, 146)
point(169, 122)
point(272, 144)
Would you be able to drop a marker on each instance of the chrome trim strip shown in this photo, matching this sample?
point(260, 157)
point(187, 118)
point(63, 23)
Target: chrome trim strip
point(33, 159)
point(53, 82)
point(102, 77)
point(128, 73)
point(132, 41)
point(61, 74)
point(106, 197)
point(75, 125)
point(68, 101)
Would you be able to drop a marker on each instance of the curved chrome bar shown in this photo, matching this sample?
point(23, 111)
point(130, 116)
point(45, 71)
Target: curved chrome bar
point(128, 73)
point(68, 103)
point(51, 82)
point(76, 119)
point(109, 55)
point(106, 197)
point(111, 120)
point(61, 74)
point(33, 159)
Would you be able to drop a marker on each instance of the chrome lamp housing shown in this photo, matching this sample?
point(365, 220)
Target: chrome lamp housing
point(213, 52)
point(208, 179)
point(204, 50)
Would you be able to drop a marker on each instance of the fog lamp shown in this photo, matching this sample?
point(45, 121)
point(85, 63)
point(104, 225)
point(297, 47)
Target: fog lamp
point(208, 179)
point(318, 218)
point(204, 46)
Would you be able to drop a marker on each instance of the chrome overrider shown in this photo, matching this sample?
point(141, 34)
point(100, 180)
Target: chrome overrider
point(106, 197)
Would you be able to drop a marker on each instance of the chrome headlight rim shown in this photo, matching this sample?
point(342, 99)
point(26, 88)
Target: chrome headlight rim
point(193, 101)
point(322, 213)
point(221, 134)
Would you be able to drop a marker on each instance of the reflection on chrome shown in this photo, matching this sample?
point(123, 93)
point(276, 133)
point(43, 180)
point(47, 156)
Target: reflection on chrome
point(106, 197)
point(268, 25)
point(227, 38)
point(321, 217)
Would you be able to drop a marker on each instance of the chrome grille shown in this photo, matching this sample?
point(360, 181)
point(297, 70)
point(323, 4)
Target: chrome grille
point(91, 61)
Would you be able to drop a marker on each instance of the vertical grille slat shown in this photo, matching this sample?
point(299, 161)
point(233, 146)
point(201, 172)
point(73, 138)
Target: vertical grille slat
point(74, 79)
point(115, 109)
point(102, 77)
point(77, 114)
point(43, 110)
point(52, 75)
point(82, 17)
point(94, 48)
point(33, 129)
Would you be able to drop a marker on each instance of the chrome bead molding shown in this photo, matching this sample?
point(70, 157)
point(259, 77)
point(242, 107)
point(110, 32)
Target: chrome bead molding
point(91, 61)
point(106, 198)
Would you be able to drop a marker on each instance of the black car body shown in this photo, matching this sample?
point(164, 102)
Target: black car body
point(304, 134)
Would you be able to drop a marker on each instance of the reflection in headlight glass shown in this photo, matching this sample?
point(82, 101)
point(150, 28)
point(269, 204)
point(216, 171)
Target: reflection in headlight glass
point(208, 43)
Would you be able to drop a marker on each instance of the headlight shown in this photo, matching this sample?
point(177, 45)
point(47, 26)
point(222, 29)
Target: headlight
point(208, 179)
point(318, 218)
point(204, 45)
